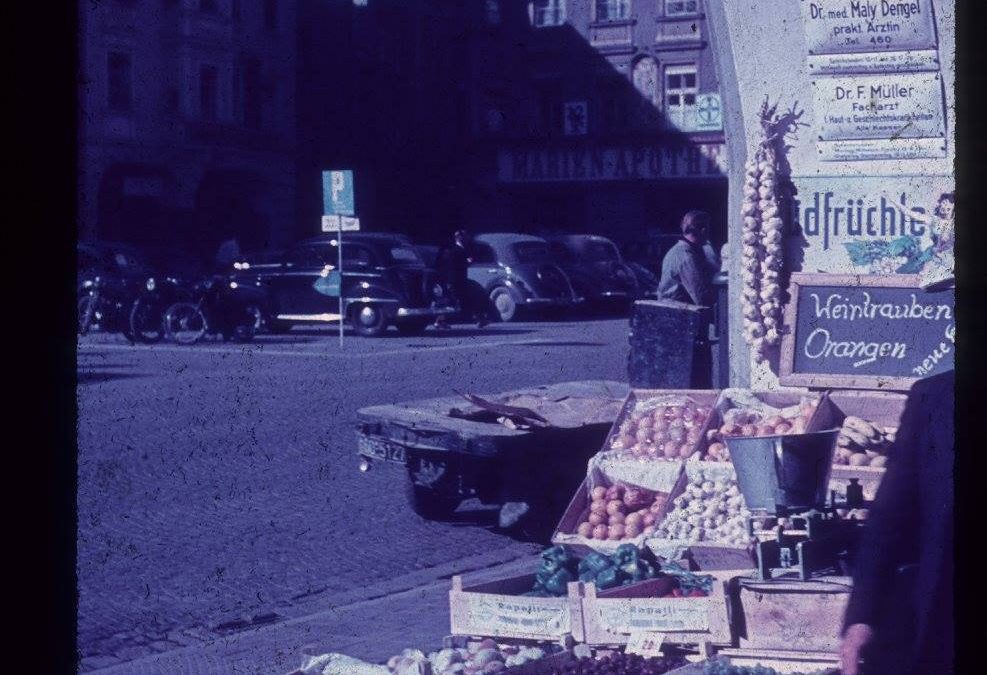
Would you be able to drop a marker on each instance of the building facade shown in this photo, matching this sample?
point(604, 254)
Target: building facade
point(597, 116)
point(187, 122)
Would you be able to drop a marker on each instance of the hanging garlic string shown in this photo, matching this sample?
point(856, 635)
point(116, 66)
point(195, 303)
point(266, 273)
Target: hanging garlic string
point(762, 240)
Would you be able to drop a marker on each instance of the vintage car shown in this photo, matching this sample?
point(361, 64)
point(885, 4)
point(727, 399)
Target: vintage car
point(595, 267)
point(384, 283)
point(518, 271)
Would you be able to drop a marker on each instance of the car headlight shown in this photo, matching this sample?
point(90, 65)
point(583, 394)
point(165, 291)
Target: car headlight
point(234, 284)
point(150, 284)
point(438, 291)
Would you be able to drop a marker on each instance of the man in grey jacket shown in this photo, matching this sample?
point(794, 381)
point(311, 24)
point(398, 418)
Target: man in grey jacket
point(686, 271)
point(687, 276)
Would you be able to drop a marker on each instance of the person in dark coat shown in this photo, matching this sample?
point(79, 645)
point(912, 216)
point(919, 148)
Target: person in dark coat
point(899, 620)
point(454, 261)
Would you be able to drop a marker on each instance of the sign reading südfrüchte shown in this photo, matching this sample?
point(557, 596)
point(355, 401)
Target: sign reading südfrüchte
point(612, 162)
point(865, 332)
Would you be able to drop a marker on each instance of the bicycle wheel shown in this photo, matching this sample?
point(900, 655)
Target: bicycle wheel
point(87, 312)
point(184, 323)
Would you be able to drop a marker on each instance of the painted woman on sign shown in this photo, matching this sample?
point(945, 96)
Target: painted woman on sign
point(941, 223)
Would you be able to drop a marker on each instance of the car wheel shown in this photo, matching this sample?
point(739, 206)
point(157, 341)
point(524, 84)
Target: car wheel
point(369, 320)
point(185, 323)
point(431, 504)
point(503, 303)
point(413, 326)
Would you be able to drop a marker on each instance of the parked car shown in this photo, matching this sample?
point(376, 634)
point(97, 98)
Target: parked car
point(518, 271)
point(384, 283)
point(596, 269)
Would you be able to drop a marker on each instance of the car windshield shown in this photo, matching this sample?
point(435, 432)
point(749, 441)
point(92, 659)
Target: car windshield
point(531, 252)
point(599, 251)
point(404, 255)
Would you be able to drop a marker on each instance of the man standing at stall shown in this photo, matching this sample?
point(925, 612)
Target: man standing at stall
point(687, 273)
point(900, 616)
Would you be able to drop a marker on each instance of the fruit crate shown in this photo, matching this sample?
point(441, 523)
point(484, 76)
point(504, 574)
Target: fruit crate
point(638, 397)
point(499, 609)
point(662, 476)
point(781, 661)
point(707, 556)
point(543, 666)
point(791, 615)
point(609, 618)
point(883, 408)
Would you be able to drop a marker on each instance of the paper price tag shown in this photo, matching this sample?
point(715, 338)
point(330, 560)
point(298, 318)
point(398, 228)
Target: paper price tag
point(645, 643)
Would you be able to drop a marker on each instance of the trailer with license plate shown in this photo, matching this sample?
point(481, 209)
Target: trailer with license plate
point(526, 446)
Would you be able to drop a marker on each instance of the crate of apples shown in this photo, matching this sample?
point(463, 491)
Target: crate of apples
point(666, 432)
point(621, 512)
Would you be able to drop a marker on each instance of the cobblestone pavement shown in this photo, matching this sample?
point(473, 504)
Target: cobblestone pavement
point(218, 486)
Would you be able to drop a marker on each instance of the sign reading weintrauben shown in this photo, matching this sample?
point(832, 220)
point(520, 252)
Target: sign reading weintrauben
point(641, 161)
point(866, 329)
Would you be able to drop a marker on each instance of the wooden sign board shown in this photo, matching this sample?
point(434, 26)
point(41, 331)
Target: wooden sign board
point(865, 332)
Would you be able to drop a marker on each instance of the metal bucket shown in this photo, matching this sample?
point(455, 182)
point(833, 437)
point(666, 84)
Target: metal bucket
point(784, 474)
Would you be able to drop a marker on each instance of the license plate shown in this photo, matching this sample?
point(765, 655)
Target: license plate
point(382, 450)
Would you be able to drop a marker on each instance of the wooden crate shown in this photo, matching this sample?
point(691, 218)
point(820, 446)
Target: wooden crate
point(607, 618)
point(884, 408)
point(578, 510)
point(705, 397)
point(707, 556)
point(791, 615)
point(542, 666)
point(498, 609)
point(781, 661)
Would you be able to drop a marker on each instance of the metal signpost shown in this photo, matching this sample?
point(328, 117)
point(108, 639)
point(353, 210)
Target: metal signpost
point(338, 204)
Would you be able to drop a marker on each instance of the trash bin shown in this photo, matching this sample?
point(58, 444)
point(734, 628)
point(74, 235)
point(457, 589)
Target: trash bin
point(669, 346)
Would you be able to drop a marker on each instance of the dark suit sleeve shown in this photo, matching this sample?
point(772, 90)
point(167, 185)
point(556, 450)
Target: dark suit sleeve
point(889, 537)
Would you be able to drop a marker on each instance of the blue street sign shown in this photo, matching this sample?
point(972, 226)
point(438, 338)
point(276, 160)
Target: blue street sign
point(337, 193)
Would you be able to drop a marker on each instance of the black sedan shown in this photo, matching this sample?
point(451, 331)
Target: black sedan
point(518, 271)
point(384, 283)
point(596, 269)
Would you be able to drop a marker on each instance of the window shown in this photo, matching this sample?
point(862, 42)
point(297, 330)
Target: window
point(681, 7)
point(271, 14)
point(645, 76)
point(405, 255)
point(612, 10)
point(356, 256)
point(208, 92)
point(208, 7)
point(119, 80)
point(308, 256)
point(483, 254)
point(547, 13)
point(493, 12)
point(252, 94)
point(680, 96)
point(531, 252)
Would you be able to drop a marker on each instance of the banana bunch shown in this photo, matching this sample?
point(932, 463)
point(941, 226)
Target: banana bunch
point(863, 443)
